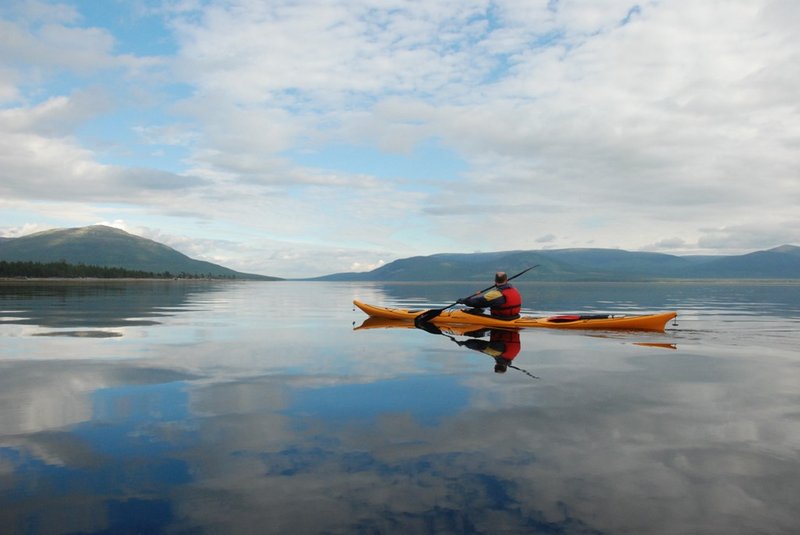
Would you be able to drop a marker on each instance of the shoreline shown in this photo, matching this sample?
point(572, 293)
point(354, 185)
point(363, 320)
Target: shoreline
point(33, 280)
point(94, 280)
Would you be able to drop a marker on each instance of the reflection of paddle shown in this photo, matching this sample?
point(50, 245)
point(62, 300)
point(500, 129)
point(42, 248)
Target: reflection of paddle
point(433, 329)
point(428, 315)
point(526, 372)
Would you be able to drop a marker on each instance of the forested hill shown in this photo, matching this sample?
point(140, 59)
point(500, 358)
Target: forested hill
point(109, 247)
point(587, 265)
point(42, 270)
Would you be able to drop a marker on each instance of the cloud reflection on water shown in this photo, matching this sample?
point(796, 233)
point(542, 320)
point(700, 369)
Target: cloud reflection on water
point(240, 424)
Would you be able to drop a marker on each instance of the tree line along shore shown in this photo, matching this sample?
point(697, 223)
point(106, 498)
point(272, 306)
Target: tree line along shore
point(65, 270)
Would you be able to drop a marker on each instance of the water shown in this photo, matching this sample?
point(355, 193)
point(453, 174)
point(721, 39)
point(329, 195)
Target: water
point(179, 407)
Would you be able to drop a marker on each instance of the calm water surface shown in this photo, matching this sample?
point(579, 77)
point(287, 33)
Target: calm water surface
point(178, 407)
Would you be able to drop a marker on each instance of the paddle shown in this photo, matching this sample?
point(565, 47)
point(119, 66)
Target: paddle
point(428, 315)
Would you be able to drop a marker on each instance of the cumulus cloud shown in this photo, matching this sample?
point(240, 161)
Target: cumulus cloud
point(59, 169)
point(55, 46)
point(57, 116)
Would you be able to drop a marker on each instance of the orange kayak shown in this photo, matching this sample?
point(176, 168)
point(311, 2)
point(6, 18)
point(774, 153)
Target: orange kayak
point(616, 322)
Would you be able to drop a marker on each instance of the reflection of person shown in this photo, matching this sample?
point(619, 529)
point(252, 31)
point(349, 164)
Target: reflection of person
point(503, 300)
point(502, 345)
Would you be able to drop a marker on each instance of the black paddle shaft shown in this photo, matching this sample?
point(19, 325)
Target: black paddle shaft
point(428, 315)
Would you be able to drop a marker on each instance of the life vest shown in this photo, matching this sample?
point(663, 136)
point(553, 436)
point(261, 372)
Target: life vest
point(510, 343)
point(510, 309)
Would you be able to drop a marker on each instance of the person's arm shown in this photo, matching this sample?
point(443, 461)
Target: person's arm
point(492, 298)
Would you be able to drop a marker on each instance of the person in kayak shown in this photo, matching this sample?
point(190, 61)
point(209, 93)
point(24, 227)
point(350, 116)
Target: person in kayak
point(503, 300)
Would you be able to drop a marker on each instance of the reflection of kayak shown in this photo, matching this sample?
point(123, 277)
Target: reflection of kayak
point(649, 322)
point(455, 329)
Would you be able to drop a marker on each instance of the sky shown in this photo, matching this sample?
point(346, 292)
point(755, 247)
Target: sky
point(305, 137)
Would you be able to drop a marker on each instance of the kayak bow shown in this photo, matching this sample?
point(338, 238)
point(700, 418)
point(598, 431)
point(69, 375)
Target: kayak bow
point(647, 322)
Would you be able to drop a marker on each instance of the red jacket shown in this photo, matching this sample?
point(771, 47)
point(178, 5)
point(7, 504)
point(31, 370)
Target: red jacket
point(508, 341)
point(512, 305)
point(504, 301)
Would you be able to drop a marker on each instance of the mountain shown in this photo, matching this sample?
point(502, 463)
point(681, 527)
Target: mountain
point(100, 245)
point(105, 246)
point(779, 263)
point(586, 265)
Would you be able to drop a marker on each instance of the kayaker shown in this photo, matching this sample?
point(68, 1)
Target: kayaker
point(503, 300)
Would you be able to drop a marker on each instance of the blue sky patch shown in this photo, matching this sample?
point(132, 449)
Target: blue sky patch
point(429, 161)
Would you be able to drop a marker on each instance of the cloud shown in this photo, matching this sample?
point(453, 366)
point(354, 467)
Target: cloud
point(598, 123)
point(547, 238)
point(9, 82)
point(322, 53)
point(54, 46)
point(43, 12)
point(56, 116)
point(748, 236)
point(59, 169)
point(23, 230)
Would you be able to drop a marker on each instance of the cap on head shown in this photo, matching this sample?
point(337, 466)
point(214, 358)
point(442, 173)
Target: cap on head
point(500, 277)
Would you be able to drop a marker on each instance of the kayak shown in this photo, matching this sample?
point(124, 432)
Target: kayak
point(646, 322)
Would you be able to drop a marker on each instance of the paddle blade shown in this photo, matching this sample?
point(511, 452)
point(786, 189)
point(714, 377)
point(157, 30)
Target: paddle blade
point(428, 327)
point(427, 316)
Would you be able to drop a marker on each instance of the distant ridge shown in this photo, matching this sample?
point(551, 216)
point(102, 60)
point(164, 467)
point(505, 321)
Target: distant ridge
point(100, 245)
point(586, 265)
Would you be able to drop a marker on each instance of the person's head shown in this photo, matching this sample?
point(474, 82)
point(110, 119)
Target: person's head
point(500, 277)
point(501, 364)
